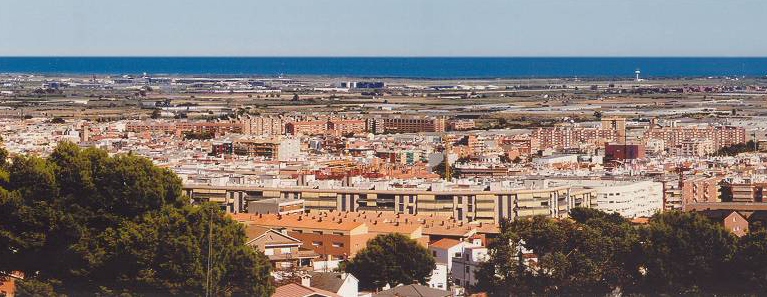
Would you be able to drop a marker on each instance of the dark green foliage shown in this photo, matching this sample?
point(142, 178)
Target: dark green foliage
point(751, 259)
point(574, 258)
point(204, 135)
point(686, 253)
point(391, 259)
point(83, 223)
point(156, 114)
point(598, 254)
point(736, 149)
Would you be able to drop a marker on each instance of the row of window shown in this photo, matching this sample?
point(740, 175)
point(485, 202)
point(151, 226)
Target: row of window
point(318, 232)
point(335, 244)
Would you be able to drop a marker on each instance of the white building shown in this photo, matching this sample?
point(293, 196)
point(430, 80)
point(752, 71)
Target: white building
point(465, 266)
point(556, 159)
point(444, 252)
point(630, 199)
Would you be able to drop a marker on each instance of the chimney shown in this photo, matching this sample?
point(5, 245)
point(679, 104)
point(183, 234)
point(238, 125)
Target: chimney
point(306, 281)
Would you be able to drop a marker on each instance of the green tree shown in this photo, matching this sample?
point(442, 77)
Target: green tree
point(587, 257)
point(503, 273)
point(84, 223)
point(156, 114)
point(749, 262)
point(686, 253)
point(391, 259)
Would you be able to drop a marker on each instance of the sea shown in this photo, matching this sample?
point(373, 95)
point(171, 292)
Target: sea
point(395, 67)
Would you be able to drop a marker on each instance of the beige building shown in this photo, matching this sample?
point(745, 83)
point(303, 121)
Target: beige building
point(463, 205)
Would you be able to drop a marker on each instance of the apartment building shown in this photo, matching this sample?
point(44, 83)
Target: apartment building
point(700, 189)
point(263, 125)
point(463, 205)
point(567, 137)
point(281, 206)
point(414, 125)
point(346, 126)
point(333, 238)
point(743, 191)
point(307, 128)
point(460, 125)
point(182, 127)
point(694, 148)
point(720, 136)
point(281, 149)
point(629, 198)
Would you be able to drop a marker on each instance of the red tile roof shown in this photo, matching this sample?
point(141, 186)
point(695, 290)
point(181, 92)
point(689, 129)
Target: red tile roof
point(296, 290)
point(445, 243)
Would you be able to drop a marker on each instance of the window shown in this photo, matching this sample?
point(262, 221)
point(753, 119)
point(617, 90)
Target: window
point(285, 250)
point(433, 253)
point(317, 232)
point(298, 231)
point(338, 233)
point(457, 282)
point(338, 244)
point(269, 252)
point(317, 243)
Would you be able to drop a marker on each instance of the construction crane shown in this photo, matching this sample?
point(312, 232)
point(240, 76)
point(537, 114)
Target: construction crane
point(446, 149)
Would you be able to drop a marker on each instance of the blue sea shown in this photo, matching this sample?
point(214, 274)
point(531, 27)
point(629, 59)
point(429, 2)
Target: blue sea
point(415, 67)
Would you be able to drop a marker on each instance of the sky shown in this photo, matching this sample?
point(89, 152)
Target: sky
point(383, 28)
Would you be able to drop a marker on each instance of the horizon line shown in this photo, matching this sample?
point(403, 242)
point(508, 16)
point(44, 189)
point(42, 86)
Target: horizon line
point(383, 56)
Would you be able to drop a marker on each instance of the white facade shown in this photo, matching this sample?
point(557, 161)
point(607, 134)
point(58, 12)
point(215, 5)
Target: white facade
point(290, 149)
point(350, 287)
point(439, 277)
point(464, 272)
point(443, 256)
point(631, 199)
point(556, 159)
point(639, 199)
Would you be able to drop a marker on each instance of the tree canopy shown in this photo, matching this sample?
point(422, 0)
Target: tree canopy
point(81, 222)
point(595, 253)
point(391, 259)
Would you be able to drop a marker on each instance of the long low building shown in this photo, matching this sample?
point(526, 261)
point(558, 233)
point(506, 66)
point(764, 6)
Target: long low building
point(463, 205)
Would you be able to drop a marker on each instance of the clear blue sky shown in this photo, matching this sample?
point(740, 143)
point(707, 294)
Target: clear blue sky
point(383, 28)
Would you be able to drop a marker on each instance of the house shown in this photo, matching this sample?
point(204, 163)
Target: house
point(343, 284)
point(283, 250)
point(296, 290)
point(443, 251)
point(414, 290)
point(465, 266)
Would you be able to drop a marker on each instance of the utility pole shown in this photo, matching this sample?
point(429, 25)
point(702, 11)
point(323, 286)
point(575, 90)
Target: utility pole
point(210, 247)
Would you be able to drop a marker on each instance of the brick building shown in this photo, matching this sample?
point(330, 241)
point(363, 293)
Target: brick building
point(307, 128)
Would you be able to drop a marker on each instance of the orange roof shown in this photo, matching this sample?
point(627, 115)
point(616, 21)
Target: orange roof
point(303, 221)
point(388, 228)
point(445, 243)
point(640, 220)
point(296, 290)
